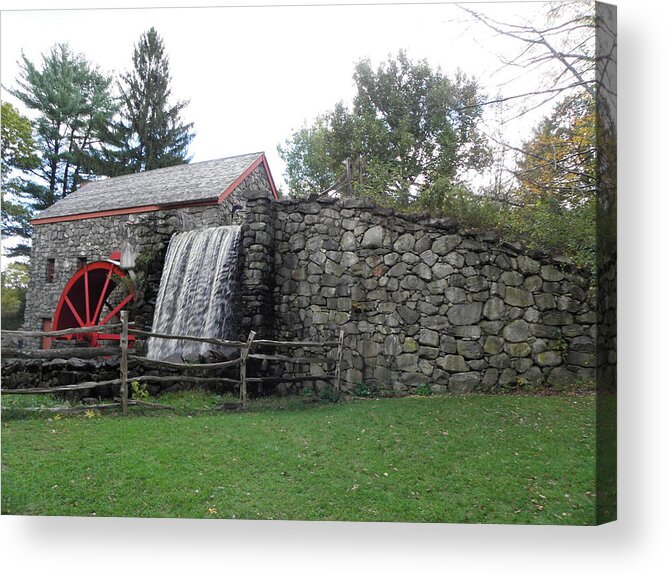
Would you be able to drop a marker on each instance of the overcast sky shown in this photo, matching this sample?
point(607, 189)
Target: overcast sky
point(255, 74)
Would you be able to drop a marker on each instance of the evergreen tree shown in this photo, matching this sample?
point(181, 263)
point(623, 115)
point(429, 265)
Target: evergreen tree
point(73, 103)
point(150, 133)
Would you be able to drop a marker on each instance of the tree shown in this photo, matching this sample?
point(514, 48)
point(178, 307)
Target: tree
point(73, 103)
point(560, 159)
point(410, 126)
point(150, 133)
point(14, 287)
point(19, 154)
point(560, 49)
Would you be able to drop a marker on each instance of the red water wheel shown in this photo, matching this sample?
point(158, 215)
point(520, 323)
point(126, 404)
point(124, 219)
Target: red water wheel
point(94, 295)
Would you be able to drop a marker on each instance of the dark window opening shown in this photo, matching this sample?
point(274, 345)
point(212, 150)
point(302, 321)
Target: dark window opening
point(50, 270)
point(81, 262)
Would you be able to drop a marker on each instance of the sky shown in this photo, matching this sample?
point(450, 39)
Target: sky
point(255, 74)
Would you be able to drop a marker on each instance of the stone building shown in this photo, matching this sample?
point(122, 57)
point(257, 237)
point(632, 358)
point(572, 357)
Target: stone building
point(124, 218)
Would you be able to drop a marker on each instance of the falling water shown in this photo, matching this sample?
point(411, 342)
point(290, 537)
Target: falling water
point(197, 290)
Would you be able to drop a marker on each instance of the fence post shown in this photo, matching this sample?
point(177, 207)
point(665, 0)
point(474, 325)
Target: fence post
point(124, 339)
point(338, 367)
point(243, 371)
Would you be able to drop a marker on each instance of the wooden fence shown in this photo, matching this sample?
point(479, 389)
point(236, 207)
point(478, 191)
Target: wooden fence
point(127, 356)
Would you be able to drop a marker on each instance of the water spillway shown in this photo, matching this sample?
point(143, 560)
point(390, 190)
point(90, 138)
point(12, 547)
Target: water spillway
point(196, 295)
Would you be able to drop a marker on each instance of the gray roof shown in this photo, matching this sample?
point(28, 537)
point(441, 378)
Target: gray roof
point(178, 184)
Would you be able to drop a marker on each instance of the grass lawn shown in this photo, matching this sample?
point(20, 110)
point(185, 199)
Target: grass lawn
point(476, 459)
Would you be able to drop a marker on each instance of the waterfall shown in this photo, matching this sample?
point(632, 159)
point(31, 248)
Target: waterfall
point(196, 295)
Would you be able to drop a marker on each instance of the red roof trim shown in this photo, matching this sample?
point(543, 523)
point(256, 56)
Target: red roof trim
point(260, 160)
point(156, 208)
point(90, 215)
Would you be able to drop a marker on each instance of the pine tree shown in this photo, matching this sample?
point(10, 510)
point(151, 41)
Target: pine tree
point(150, 133)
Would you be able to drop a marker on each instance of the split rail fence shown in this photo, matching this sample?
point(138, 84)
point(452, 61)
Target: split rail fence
point(127, 356)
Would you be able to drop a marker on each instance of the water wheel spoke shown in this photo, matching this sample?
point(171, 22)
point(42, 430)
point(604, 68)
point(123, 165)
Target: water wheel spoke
point(87, 294)
point(102, 296)
point(116, 309)
point(74, 312)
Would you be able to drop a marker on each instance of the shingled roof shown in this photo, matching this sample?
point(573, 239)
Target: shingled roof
point(196, 183)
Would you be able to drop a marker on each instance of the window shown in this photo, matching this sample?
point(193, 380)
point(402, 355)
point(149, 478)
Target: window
point(50, 270)
point(81, 262)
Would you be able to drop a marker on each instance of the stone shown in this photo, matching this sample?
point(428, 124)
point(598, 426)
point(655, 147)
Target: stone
point(476, 284)
point(548, 358)
point(429, 337)
point(531, 315)
point(517, 331)
point(561, 376)
point(455, 259)
point(522, 349)
point(373, 237)
point(423, 271)
point(470, 349)
point(409, 315)
point(422, 245)
point(455, 295)
point(527, 265)
point(518, 297)
point(429, 257)
point(546, 331)
point(533, 283)
point(410, 345)
point(493, 309)
point(512, 278)
point(348, 259)
point(405, 243)
point(410, 258)
point(552, 317)
point(411, 283)
point(445, 244)
point(452, 363)
point(581, 359)
point(544, 301)
point(551, 274)
point(440, 270)
point(407, 361)
point(490, 378)
point(493, 345)
point(429, 352)
point(398, 270)
point(465, 314)
point(464, 382)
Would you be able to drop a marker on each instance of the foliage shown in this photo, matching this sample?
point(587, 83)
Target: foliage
point(362, 390)
point(525, 460)
point(73, 103)
point(14, 289)
point(19, 155)
point(559, 161)
point(139, 391)
point(424, 390)
point(410, 125)
point(150, 133)
point(543, 223)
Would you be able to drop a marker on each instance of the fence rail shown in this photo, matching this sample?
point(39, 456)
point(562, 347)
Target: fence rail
point(127, 356)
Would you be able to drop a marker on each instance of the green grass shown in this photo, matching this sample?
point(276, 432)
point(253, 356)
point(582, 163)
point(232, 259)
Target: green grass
point(482, 459)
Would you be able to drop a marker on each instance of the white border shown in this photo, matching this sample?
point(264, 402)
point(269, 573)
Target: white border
point(634, 544)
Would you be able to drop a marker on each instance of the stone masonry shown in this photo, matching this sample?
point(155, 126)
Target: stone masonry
point(422, 303)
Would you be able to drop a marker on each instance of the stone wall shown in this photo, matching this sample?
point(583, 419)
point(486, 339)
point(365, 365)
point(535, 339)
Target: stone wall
point(422, 303)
